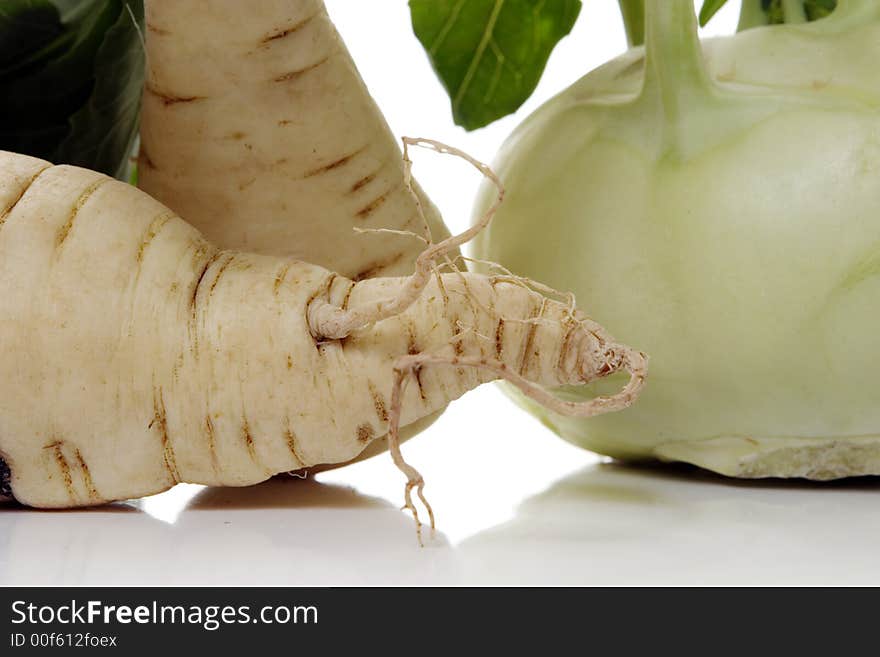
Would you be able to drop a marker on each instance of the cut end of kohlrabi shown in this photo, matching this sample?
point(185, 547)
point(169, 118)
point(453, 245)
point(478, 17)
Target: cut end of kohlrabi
point(819, 459)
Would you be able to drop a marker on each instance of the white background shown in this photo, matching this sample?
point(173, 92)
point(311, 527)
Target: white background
point(514, 503)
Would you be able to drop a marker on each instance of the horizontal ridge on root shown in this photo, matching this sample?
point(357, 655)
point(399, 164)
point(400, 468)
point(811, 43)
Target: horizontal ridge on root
point(170, 99)
point(287, 31)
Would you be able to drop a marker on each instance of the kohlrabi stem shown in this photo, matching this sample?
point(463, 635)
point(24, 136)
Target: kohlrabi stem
point(794, 11)
point(675, 69)
point(751, 15)
point(633, 20)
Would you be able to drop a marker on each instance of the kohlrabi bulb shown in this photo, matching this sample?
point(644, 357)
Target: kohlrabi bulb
point(719, 208)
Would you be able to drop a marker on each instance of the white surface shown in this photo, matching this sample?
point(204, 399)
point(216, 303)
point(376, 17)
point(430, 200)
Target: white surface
point(514, 504)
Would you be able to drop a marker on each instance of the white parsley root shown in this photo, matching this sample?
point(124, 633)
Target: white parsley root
point(258, 129)
point(137, 355)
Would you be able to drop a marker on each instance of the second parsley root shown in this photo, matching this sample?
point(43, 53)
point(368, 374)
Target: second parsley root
point(258, 129)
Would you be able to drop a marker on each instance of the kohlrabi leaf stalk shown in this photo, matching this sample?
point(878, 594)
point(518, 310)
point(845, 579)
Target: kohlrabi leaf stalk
point(633, 13)
point(675, 74)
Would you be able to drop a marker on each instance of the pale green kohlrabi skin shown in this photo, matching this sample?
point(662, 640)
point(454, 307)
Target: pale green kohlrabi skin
point(721, 210)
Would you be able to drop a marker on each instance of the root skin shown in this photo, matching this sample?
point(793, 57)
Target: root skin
point(258, 129)
point(127, 348)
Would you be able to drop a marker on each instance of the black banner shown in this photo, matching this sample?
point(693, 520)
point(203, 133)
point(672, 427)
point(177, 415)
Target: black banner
point(130, 621)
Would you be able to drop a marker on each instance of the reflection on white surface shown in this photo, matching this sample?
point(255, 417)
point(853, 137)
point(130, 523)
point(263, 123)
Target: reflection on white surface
point(514, 504)
point(480, 459)
point(612, 524)
point(285, 531)
point(605, 524)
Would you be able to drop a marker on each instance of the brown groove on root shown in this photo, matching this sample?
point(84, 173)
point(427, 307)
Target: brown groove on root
point(563, 350)
point(365, 433)
point(87, 477)
point(374, 269)
point(178, 365)
point(155, 29)
point(152, 230)
point(170, 99)
point(212, 442)
point(145, 160)
point(5, 214)
point(196, 294)
point(323, 290)
point(457, 346)
point(65, 229)
point(499, 339)
point(417, 373)
point(345, 159)
point(344, 306)
point(347, 298)
point(293, 75)
point(374, 205)
point(412, 348)
point(281, 275)
point(160, 419)
point(526, 355)
point(64, 466)
point(378, 404)
point(197, 286)
point(444, 294)
point(220, 271)
point(458, 349)
point(366, 180)
point(287, 31)
point(290, 439)
point(248, 439)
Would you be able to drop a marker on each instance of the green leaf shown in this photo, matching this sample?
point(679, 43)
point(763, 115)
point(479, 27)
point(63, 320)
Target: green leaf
point(817, 9)
point(709, 9)
point(104, 130)
point(633, 13)
point(25, 27)
point(71, 10)
point(62, 83)
point(490, 54)
point(72, 96)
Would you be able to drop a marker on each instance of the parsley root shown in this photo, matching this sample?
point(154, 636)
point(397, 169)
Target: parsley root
point(137, 355)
